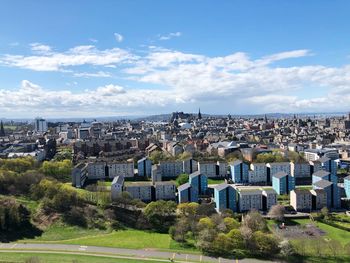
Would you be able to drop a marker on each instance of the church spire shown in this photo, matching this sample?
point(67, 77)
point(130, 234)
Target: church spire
point(199, 114)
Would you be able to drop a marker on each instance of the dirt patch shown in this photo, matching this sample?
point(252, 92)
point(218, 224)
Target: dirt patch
point(296, 231)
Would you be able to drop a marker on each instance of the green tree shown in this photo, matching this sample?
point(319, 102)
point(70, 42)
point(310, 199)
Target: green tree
point(161, 215)
point(265, 244)
point(181, 179)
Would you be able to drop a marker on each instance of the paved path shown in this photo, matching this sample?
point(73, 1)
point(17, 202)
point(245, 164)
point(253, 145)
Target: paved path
point(146, 254)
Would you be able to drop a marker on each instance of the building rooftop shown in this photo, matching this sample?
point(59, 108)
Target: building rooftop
point(321, 173)
point(323, 184)
point(118, 180)
point(280, 175)
point(184, 187)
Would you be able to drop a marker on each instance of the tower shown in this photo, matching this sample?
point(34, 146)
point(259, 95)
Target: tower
point(2, 130)
point(199, 114)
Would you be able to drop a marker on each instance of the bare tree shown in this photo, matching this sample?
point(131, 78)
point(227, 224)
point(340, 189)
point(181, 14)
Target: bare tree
point(277, 212)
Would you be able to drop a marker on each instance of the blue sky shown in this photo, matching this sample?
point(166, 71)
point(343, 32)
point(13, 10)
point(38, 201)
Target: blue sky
point(106, 58)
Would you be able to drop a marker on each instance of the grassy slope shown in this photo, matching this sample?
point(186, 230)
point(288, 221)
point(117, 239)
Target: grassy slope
point(124, 238)
point(61, 258)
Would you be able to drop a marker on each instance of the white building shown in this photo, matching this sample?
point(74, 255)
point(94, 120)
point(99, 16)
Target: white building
point(117, 186)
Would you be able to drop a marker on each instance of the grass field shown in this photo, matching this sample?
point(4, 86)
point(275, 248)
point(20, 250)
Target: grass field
point(58, 232)
point(136, 239)
point(215, 181)
point(62, 258)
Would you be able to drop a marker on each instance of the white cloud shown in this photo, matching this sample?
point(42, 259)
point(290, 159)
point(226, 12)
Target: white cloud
point(93, 40)
point(118, 37)
point(110, 90)
point(77, 56)
point(40, 48)
point(173, 80)
point(169, 36)
point(99, 74)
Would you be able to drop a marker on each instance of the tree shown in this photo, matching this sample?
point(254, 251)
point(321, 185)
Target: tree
point(181, 179)
point(231, 223)
point(179, 230)
point(221, 245)
point(187, 209)
point(277, 212)
point(236, 239)
point(254, 221)
point(286, 248)
point(325, 213)
point(205, 223)
point(265, 244)
point(205, 238)
point(161, 214)
point(247, 235)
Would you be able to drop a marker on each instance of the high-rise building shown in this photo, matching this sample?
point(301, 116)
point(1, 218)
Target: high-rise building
point(40, 125)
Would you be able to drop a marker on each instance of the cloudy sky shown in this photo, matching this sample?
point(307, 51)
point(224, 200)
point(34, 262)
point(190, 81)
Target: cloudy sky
point(108, 58)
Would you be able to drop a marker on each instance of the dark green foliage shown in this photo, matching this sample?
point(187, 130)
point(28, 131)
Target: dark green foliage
point(181, 179)
point(161, 215)
point(15, 221)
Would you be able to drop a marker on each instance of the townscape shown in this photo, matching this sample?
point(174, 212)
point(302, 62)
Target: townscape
point(174, 131)
point(237, 170)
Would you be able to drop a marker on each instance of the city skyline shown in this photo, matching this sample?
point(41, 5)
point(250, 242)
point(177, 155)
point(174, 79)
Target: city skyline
point(90, 59)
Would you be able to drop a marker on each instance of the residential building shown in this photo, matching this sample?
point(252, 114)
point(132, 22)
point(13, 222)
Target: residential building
point(257, 173)
point(190, 166)
point(140, 190)
point(283, 183)
point(117, 186)
point(144, 167)
point(347, 186)
point(249, 199)
point(301, 199)
point(239, 172)
point(225, 197)
point(269, 198)
point(300, 169)
point(319, 199)
point(273, 168)
point(187, 194)
point(199, 182)
point(40, 125)
point(165, 190)
point(171, 168)
point(79, 175)
point(125, 169)
point(213, 169)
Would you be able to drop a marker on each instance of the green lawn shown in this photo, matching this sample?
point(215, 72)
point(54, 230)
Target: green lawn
point(130, 238)
point(62, 258)
point(126, 239)
point(58, 232)
point(215, 181)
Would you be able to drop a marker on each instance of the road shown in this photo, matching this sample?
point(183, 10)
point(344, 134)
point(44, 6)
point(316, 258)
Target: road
point(145, 254)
